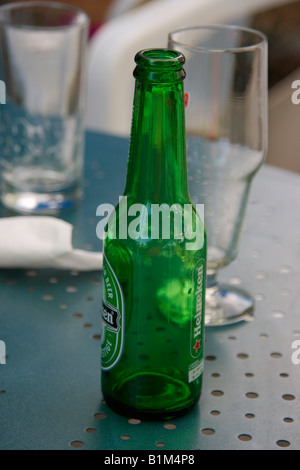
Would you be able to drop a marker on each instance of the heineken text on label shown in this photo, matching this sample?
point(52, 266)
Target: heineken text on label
point(113, 318)
point(197, 309)
point(197, 321)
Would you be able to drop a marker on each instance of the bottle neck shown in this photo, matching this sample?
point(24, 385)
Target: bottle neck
point(157, 170)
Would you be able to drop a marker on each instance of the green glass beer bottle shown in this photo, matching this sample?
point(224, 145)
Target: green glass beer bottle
point(154, 258)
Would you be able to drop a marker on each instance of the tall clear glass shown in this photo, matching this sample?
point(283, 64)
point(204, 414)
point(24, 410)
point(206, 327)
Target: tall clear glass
point(226, 127)
point(42, 63)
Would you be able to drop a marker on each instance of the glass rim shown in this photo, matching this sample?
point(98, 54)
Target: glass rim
point(226, 27)
point(82, 18)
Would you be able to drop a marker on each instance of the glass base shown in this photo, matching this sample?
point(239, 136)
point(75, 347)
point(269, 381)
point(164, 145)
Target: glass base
point(38, 190)
point(41, 203)
point(226, 304)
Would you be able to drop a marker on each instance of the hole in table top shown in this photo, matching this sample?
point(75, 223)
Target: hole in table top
point(232, 338)
point(90, 430)
point(71, 289)
point(288, 397)
point(283, 375)
point(77, 315)
point(210, 358)
point(48, 297)
point(285, 291)
point(284, 269)
point(252, 395)
point(260, 275)
point(215, 412)
point(31, 273)
point(53, 280)
point(276, 355)
point(87, 325)
point(278, 314)
point(208, 431)
point(235, 280)
point(89, 299)
point(242, 356)
point(283, 443)
point(160, 444)
point(100, 415)
point(244, 437)
point(259, 297)
point(125, 437)
point(77, 444)
point(288, 420)
point(249, 374)
point(296, 333)
point(96, 337)
point(264, 335)
point(215, 374)
point(170, 426)
point(63, 306)
point(2, 392)
point(134, 421)
point(249, 415)
point(217, 393)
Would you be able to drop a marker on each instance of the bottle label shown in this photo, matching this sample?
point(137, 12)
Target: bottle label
point(198, 303)
point(112, 318)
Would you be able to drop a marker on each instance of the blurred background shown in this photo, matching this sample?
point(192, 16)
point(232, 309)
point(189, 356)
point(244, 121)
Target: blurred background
point(121, 27)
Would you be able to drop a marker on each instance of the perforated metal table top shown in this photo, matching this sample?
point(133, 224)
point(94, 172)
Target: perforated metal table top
point(50, 394)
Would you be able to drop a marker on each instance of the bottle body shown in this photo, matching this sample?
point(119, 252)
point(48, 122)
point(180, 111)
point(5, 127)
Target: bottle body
point(154, 275)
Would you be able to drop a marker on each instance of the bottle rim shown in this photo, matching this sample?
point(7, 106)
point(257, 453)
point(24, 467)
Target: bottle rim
point(160, 59)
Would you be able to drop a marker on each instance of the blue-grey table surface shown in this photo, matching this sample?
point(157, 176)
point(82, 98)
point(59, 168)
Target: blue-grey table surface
point(50, 394)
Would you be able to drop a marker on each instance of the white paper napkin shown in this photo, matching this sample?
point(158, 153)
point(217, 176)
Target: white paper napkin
point(42, 242)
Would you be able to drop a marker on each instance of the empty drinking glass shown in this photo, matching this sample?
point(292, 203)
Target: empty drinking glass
point(226, 127)
point(42, 63)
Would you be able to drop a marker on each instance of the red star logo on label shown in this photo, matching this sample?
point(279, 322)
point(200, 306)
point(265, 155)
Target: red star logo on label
point(186, 99)
point(197, 345)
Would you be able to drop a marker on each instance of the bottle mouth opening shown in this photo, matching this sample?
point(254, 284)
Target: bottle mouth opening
point(160, 59)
